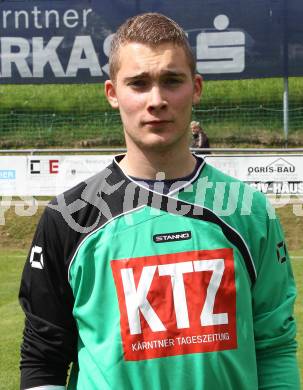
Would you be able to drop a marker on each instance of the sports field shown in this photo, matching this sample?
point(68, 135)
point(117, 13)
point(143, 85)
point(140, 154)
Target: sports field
point(233, 113)
point(11, 264)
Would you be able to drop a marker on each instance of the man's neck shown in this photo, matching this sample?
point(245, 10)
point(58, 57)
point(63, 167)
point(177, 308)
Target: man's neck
point(149, 164)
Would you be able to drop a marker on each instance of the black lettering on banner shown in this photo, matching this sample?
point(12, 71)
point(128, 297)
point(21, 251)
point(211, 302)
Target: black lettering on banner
point(33, 166)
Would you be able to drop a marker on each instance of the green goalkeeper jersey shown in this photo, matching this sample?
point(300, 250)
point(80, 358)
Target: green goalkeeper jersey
point(189, 290)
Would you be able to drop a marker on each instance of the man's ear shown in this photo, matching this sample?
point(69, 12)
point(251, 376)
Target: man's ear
point(198, 86)
point(110, 93)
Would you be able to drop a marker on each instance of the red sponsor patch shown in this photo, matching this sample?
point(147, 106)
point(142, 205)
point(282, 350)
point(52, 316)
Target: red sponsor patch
point(177, 303)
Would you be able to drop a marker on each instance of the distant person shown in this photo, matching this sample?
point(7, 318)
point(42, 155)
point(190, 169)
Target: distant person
point(144, 283)
point(199, 137)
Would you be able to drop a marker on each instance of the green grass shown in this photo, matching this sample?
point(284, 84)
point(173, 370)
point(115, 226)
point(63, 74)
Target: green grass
point(90, 97)
point(53, 97)
point(11, 324)
point(11, 264)
point(233, 112)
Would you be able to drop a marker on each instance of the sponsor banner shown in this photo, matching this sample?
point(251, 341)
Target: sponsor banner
point(46, 175)
point(52, 175)
point(279, 187)
point(68, 41)
point(270, 174)
point(12, 175)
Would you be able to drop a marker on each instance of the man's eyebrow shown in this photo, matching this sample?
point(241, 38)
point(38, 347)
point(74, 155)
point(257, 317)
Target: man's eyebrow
point(175, 73)
point(164, 73)
point(136, 76)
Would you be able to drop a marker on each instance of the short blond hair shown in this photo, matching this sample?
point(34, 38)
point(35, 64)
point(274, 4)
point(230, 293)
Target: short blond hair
point(151, 29)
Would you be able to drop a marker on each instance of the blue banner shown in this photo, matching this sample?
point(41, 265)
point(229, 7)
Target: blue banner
point(62, 41)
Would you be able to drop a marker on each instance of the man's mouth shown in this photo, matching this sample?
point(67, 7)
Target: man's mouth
point(157, 122)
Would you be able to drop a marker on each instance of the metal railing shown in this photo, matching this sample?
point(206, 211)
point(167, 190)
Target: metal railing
point(123, 150)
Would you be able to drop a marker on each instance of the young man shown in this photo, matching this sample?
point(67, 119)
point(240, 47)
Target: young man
point(139, 276)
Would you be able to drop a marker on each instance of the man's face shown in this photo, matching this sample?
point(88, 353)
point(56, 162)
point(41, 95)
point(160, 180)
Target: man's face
point(154, 91)
point(195, 129)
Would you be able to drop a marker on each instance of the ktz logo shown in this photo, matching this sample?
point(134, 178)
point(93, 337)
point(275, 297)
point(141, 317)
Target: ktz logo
point(281, 252)
point(36, 257)
point(177, 303)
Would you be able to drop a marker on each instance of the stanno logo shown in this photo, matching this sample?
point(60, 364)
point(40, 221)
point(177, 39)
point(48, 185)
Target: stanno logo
point(167, 237)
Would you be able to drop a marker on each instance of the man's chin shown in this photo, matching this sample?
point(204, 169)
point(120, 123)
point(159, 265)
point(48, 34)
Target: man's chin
point(158, 144)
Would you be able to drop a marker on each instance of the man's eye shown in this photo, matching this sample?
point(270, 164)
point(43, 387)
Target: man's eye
point(172, 81)
point(137, 83)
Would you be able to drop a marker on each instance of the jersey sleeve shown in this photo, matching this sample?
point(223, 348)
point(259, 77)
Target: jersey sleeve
point(50, 335)
point(274, 294)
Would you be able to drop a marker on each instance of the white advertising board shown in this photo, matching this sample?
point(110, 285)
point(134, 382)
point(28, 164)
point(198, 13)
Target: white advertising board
point(51, 175)
point(271, 174)
point(47, 175)
point(12, 175)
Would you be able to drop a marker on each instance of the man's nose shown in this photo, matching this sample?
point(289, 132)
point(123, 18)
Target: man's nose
point(157, 99)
